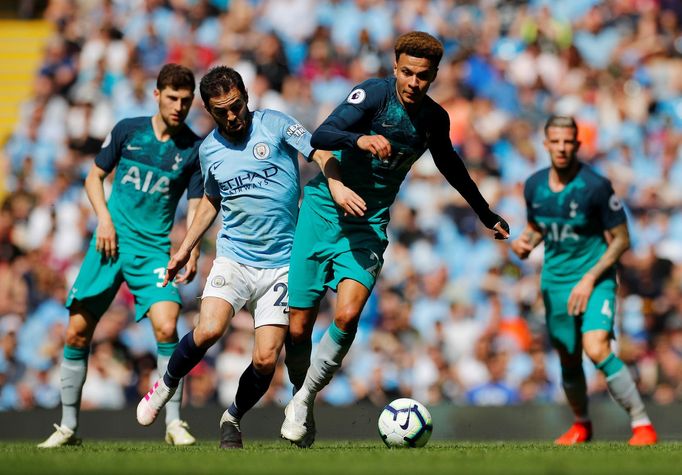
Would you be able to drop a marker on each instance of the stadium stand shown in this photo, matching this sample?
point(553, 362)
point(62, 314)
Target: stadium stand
point(455, 317)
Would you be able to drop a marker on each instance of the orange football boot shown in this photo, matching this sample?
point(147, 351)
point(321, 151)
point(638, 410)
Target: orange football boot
point(578, 433)
point(643, 435)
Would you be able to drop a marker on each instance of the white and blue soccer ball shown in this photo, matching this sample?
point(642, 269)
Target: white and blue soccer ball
point(405, 423)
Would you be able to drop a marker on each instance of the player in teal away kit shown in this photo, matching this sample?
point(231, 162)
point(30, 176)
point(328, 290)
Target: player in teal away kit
point(156, 160)
point(571, 209)
point(250, 165)
point(381, 129)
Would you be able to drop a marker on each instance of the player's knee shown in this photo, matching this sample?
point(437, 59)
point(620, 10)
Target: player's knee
point(77, 337)
point(297, 333)
point(597, 352)
point(596, 348)
point(265, 361)
point(300, 326)
point(205, 337)
point(166, 332)
point(347, 317)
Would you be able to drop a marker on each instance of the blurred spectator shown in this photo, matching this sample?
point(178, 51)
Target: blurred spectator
point(453, 317)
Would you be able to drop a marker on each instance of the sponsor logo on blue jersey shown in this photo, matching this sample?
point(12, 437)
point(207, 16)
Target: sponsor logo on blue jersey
point(248, 181)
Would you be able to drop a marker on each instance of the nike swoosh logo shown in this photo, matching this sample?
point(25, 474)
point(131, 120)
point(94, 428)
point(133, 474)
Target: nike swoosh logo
point(385, 125)
point(130, 147)
point(407, 420)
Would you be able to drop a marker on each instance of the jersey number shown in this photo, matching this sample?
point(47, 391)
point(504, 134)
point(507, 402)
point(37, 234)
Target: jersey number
point(161, 274)
point(606, 309)
point(283, 289)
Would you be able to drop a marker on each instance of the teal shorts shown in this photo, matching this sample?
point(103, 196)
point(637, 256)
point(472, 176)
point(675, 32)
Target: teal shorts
point(325, 253)
point(99, 279)
point(565, 330)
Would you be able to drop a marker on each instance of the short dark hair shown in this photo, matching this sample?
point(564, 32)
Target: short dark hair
point(420, 45)
point(220, 80)
point(175, 77)
point(564, 121)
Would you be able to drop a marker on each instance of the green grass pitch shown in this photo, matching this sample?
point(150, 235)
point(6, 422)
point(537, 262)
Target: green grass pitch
point(346, 458)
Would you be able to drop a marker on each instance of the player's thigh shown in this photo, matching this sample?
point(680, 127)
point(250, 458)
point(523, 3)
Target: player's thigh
point(601, 308)
point(564, 329)
point(144, 276)
point(96, 285)
point(164, 317)
point(228, 281)
point(268, 342)
point(310, 262)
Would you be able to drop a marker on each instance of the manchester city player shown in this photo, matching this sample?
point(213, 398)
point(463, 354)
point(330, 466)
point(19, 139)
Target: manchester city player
point(572, 209)
point(381, 129)
point(156, 160)
point(250, 167)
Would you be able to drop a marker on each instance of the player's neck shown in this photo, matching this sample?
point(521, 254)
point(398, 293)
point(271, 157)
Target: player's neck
point(411, 109)
point(161, 130)
point(559, 178)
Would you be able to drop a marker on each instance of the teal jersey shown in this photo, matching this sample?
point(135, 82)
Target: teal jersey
point(151, 177)
point(573, 222)
point(373, 108)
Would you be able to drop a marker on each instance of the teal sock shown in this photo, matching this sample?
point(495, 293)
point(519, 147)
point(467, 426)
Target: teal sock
point(623, 389)
point(164, 352)
point(575, 388)
point(330, 352)
point(73, 369)
point(611, 365)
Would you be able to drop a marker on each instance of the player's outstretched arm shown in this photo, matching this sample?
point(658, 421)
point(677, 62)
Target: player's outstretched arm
point(106, 232)
point(620, 242)
point(529, 239)
point(192, 263)
point(344, 197)
point(452, 167)
point(206, 212)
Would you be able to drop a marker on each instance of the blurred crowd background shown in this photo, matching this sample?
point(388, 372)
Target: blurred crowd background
point(455, 317)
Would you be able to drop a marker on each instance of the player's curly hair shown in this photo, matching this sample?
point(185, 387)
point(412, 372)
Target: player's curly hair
point(218, 81)
point(176, 77)
point(420, 45)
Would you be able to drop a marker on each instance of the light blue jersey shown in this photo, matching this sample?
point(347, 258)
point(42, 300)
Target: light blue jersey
point(257, 181)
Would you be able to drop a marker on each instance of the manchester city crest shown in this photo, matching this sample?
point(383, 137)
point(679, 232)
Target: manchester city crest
point(218, 281)
point(261, 151)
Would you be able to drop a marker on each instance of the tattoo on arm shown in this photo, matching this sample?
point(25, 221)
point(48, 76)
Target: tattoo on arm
point(534, 237)
point(618, 245)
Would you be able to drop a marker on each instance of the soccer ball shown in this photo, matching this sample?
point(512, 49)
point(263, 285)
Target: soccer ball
point(405, 423)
